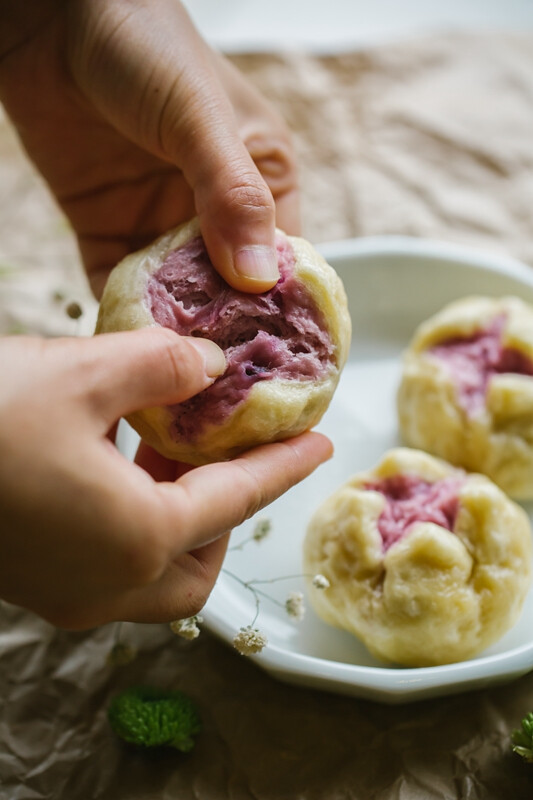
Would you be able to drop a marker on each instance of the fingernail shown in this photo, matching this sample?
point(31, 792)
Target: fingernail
point(214, 358)
point(257, 261)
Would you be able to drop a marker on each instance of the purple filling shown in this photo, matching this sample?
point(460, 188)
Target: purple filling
point(409, 499)
point(278, 334)
point(473, 360)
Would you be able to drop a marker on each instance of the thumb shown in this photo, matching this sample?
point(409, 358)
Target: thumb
point(132, 370)
point(198, 131)
point(166, 96)
point(237, 218)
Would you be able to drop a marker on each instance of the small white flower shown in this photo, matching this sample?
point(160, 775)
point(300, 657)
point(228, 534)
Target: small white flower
point(320, 582)
point(262, 528)
point(249, 641)
point(294, 605)
point(186, 628)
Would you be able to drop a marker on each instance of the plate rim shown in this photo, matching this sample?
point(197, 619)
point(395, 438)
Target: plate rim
point(391, 683)
point(420, 248)
point(390, 680)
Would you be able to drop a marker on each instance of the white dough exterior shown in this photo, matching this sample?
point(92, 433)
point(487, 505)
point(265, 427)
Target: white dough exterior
point(273, 410)
point(435, 596)
point(497, 440)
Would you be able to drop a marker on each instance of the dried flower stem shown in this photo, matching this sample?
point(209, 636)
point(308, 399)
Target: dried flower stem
point(319, 582)
point(241, 545)
point(262, 528)
point(280, 578)
point(257, 593)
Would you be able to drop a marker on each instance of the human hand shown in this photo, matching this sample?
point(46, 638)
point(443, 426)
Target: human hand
point(137, 125)
point(87, 536)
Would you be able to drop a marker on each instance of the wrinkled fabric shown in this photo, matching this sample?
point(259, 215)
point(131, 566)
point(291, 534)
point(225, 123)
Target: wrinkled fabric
point(429, 138)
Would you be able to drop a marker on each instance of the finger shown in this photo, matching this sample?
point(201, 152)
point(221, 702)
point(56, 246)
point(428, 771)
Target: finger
point(234, 203)
point(128, 371)
point(268, 140)
point(288, 213)
point(112, 432)
point(157, 466)
point(166, 555)
point(167, 97)
point(182, 590)
point(213, 499)
point(199, 131)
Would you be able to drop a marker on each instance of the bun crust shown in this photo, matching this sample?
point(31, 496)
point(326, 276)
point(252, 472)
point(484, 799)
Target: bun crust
point(437, 594)
point(272, 409)
point(495, 435)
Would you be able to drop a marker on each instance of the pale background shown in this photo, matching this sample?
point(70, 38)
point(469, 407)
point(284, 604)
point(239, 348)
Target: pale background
point(332, 25)
point(425, 131)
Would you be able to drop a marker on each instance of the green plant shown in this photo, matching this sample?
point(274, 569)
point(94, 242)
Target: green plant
point(522, 739)
point(150, 717)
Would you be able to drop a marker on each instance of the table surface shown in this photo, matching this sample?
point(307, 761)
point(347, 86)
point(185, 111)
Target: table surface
point(427, 137)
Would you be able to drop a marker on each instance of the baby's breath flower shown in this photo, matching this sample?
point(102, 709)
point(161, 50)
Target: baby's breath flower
point(186, 628)
point(120, 654)
point(294, 605)
point(320, 582)
point(249, 641)
point(263, 526)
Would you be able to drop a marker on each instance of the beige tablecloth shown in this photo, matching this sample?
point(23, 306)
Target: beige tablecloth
point(429, 138)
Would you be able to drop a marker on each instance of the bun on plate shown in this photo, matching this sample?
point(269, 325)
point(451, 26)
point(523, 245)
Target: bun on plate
point(426, 564)
point(466, 392)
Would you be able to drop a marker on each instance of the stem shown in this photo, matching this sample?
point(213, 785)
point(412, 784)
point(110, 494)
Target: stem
point(281, 578)
point(241, 545)
point(257, 593)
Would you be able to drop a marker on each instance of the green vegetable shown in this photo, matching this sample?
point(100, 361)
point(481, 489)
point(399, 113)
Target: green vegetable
point(522, 739)
point(151, 717)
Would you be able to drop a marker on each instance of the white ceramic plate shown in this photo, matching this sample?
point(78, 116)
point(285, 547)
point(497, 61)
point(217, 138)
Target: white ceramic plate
point(392, 285)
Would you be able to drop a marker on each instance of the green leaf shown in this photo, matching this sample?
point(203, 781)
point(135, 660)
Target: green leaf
point(522, 739)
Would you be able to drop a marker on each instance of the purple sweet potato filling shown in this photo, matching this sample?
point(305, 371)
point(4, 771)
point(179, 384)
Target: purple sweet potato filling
point(473, 360)
point(409, 499)
point(278, 334)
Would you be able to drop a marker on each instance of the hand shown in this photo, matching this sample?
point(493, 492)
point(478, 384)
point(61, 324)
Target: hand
point(88, 537)
point(137, 125)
